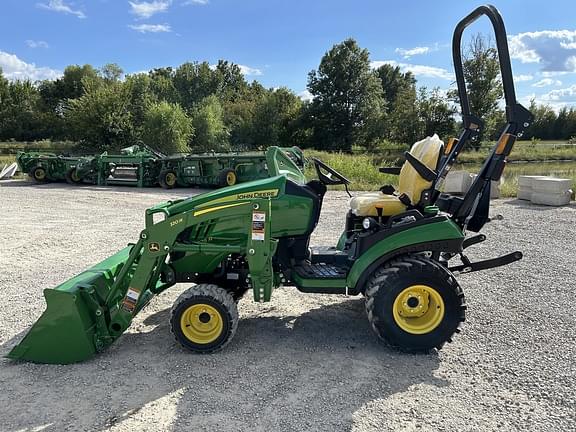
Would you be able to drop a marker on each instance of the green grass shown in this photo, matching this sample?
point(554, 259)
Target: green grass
point(13, 147)
point(362, 170)
point(7, 159)
point(527, 151)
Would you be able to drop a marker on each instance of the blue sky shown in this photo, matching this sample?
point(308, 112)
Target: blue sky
point(279, 42)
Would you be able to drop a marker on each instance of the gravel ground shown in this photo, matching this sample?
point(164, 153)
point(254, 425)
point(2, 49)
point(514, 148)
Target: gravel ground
point(300, 362)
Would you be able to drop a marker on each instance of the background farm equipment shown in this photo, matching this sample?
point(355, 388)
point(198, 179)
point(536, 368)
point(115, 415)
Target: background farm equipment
point(218, 169)
point(134, 166)
point(44, 167)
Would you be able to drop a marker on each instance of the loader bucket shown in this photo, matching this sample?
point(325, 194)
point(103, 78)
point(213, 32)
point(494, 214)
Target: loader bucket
point(72, 328)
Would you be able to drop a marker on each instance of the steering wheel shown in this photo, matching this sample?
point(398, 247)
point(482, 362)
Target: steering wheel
point(328, 175)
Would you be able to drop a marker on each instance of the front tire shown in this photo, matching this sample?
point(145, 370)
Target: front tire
point(204, 319)
point(38, 174)
point(414, 304)
point(168, 179)
point(228, 177)
point(72, 177)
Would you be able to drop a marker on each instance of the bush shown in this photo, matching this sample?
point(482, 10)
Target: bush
point(166, 128)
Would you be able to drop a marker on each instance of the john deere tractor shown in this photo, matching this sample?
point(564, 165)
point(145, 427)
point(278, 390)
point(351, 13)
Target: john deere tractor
point(396, 249)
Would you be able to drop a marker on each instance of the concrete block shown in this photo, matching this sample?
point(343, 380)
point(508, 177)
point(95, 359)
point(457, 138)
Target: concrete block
point(457, 182)
point(557, 199)
point(526, 180)
point(524, 193)
point(550, 185)
point(525, 186)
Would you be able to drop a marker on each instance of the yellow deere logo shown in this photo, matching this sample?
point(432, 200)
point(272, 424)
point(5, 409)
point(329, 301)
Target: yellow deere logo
point(268, 193)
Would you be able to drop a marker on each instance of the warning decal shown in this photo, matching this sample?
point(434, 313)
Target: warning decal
point(258, 226)
point(129, 303)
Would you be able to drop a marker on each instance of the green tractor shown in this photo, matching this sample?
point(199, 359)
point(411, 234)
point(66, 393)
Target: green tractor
point(396, 249)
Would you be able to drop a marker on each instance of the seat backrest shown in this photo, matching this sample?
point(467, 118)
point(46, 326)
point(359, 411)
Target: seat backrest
point(428, 151)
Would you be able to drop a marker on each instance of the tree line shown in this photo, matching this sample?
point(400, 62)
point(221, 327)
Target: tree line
point(203, 107)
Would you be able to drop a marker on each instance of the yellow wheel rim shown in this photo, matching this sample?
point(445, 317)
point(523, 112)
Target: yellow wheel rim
point(170, 179)
point(40, 174)
point(418, 309)
point(74, 175)
point(231, 178)
point(201, 323)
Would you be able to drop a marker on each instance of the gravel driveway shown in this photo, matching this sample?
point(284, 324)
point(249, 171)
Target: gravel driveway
point(301, 362)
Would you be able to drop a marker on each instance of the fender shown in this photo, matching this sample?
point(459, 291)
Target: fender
point(443, 235)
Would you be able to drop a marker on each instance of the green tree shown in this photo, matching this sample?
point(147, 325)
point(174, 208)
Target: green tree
point(240, 114)
point(162, 84)
point(393, 82)
point(231, 84)
point(347, 98)
point(194, 82)
point(543, 125)
point(210, 132)
point(274, 118)
point(166, 128)
point(435, 113)
point(482, 75)
point(101, 118)
point(20, 117)
point(111, 72)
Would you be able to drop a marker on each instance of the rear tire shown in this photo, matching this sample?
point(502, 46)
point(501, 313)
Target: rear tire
point(227, 177)
point(204, 319)
point(414, 304)
point(38, 174)
point(168, 179)
point(72, 177)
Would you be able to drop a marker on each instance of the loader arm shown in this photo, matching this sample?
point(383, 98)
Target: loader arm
point(90, 311)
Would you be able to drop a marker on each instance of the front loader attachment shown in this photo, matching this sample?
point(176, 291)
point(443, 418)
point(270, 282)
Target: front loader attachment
point(73, 326)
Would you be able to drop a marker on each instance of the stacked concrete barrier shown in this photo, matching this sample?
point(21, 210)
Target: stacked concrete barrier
point(458, 183)
point(551, 191)
point(525, 186)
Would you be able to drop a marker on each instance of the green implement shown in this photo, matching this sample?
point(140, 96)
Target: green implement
point(396, 249)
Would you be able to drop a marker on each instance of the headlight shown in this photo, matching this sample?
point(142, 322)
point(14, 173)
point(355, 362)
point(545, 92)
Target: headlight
point(366, 223)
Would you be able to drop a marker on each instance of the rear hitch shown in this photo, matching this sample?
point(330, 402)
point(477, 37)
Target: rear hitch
point(469, 267)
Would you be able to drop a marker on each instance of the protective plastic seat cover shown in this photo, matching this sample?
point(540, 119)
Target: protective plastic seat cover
point(411, 183)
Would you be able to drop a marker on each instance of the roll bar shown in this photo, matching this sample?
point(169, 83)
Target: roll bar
point(472, 212)
point(518, 118)
point(515, 113)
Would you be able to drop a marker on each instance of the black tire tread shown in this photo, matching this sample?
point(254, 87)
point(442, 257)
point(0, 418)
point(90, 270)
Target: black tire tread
point(218, 294)
point(69, 178)
point(222, 177)
point(398, 267)
point(162, 178)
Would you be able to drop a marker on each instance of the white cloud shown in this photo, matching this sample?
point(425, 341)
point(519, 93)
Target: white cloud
point(16, 69)
point(520, 78)
point(554, 50)
point(196, 2)
point(151, 28)
point(144, 10)
point(407, 53)
point(547, 82)
point(249, 71)
point(305, 95)
point(60, 6)
point(36, 44)
point(567, 94)
point(417, 70)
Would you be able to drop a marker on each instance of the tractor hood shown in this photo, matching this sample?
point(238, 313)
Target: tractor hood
point(265, 188)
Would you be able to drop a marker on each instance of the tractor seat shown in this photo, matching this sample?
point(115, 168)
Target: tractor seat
point(410, 184)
